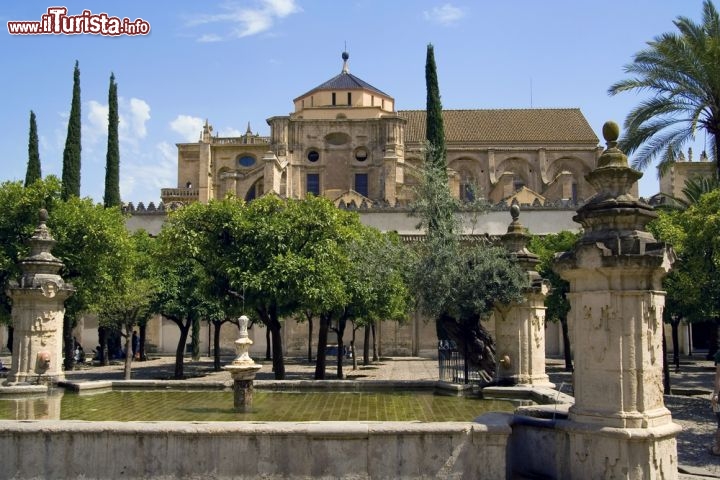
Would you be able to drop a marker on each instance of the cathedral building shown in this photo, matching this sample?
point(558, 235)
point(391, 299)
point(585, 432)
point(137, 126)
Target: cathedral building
point(346, 141)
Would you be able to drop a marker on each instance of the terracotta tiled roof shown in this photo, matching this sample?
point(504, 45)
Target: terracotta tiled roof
point(345, 81)
point(567, 125)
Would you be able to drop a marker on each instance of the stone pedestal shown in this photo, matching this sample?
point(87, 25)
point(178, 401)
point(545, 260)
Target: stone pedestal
point(243, 370)
point(619, 426)
point(520, 327)
point(37, 313)
point(242, 395)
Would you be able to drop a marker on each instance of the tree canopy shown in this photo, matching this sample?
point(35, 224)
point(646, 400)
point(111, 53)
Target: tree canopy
point(73, 147)
point(434, 127)
point(19, 207)
point(682, 72)
point(112, 162)
point(33, 171)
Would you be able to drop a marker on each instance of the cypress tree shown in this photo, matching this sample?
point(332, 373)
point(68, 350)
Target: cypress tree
point(112, 164)
point(33, 167)
point(435, 131)
point(71, 154)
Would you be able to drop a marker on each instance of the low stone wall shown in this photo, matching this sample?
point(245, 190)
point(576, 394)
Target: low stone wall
point(357, 450)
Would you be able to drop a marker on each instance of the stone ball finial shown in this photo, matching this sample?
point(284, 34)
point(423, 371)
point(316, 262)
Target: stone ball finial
point(43, 215)
point(611, 131)
point(515, 211)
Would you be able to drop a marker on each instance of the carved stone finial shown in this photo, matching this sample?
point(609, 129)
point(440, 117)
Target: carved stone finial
point(614, 217)
point(243, 321)
point(515, 212)
point(612, 156)
point(43, 215)
point(611, 131)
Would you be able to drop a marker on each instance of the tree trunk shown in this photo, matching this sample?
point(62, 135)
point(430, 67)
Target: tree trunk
point(320, 359)
point(128, 352)
point(310, 336)
point(180, 351)
point(712, 341)
point(341, 346)
point(665, 365)
point(216, 345)
point(69, 343)
point(196, 339)
point(674, 325)
point(475, 344)
point(352, 348)
point(566, 345)
point(366, 346)
point(376, 356)
point(143, 337)
point(268, 347)
point(466, 362)
point(277, 350)
point(104, 352)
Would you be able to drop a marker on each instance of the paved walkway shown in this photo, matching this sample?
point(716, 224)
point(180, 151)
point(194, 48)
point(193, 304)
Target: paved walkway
point(690, 405)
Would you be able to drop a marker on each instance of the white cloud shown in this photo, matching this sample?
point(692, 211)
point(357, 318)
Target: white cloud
point(138, 113)
point(133, 113)
point(209, 38)
point(98, 118)
point(247, 20)
point(444, 15)
point(187, 126)
point(230, 132)
point(142, 179)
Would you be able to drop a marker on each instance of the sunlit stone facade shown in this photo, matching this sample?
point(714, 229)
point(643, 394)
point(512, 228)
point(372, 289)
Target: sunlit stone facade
point(345, 140)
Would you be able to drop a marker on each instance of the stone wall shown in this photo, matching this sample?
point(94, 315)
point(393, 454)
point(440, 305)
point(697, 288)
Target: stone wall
point(69, 449)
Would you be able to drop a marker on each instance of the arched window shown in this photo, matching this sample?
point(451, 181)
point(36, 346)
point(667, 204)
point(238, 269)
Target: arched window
point(468, 189)
point(255, 191)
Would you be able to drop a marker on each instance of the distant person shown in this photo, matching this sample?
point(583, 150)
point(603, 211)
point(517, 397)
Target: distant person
point(135, 345)
point(715, 449)
point(79, 354)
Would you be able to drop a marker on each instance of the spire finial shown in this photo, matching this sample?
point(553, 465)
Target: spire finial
point(248, 131)
point(345, 57)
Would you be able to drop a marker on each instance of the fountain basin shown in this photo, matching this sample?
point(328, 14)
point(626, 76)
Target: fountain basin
point(219, 450)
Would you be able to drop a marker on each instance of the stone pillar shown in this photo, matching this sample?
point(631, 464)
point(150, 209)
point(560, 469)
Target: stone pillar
point(205, 172)
point(243, 395)
point(520, 327)
point(243, 370)
point(37, 313)
point(619, 426)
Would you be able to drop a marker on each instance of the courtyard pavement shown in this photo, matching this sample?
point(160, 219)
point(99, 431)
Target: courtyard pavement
point(689, 403)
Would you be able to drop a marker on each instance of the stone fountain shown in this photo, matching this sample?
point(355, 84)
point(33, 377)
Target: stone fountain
point(243, 369)
point(37, 314)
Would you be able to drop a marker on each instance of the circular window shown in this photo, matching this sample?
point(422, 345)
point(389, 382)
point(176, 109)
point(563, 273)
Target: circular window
point(313, 156)
point(361, 154)
point(246, 161)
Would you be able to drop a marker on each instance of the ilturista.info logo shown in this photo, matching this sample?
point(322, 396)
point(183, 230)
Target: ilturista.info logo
point(57, 22)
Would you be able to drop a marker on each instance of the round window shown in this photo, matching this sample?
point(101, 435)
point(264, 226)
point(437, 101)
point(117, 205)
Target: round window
point(361, 154)
point(246, 161)
point(313, 156)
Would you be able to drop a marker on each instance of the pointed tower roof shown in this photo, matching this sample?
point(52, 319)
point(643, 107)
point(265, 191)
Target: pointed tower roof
point(345, 81)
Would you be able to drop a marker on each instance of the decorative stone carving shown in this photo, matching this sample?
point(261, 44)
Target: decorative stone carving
point(618, 422)
point(243, 369)
point(520, 328)
point(38, 312)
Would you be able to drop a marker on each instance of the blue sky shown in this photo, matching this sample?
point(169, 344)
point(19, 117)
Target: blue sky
point(235, 62)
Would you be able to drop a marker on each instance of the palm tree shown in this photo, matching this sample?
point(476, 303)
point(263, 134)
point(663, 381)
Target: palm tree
point(683, 71)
